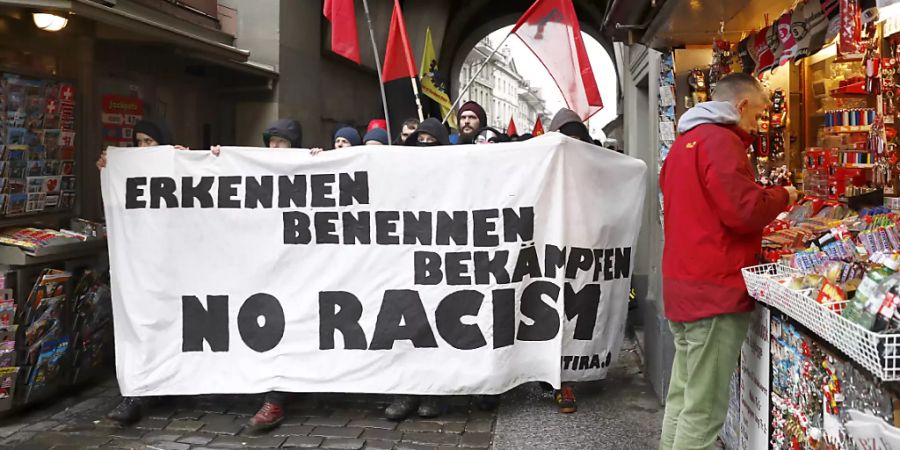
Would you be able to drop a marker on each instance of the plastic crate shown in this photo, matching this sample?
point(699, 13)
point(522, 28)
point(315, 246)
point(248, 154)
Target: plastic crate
point(878, 353)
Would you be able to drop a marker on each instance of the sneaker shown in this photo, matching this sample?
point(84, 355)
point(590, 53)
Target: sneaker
point(432, 406)
point(128, 411)
point(565, 398)
point(487, 402)
point(401, 407)
point(267, 418)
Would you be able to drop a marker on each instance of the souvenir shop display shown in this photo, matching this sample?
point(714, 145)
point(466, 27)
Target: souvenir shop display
point(830, 265)
point(37, 145)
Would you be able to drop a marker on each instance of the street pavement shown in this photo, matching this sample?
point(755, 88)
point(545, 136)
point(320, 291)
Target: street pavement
point(617, 413)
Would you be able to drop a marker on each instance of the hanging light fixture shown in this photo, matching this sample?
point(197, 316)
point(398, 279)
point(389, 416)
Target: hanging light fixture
point(49, 22)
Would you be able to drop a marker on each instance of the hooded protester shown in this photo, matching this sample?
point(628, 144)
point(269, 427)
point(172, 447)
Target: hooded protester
point(284, 133)
point(568, 123)
point(490, 135)
point(429, 133)
point(469, 119)
point(150, 133)
point(376, 136)
point(346, 137)
point(147, 133)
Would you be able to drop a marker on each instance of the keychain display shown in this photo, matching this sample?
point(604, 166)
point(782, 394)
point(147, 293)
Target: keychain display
point(721, 62)
point(813, 390)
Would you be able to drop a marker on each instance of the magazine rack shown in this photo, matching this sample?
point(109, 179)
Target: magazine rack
point(14, 256)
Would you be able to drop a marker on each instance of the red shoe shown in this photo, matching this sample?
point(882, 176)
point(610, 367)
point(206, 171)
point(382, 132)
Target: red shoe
point(267, 418)
point(565, 397)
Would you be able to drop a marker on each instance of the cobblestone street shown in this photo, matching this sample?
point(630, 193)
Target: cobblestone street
point(619, 412)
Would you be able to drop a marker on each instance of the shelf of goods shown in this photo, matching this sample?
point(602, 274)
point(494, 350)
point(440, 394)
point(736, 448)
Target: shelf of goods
point(877, 352)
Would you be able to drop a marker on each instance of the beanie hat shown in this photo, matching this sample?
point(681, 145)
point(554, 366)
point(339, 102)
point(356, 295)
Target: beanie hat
point(376, 134)
point(475, 108)
point(350, 134)
point(286, 129)
point(376, 123)
point(156, 130)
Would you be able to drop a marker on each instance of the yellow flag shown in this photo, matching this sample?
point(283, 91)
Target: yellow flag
point(434, 85)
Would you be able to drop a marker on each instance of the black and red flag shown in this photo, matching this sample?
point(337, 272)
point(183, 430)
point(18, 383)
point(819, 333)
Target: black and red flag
point(399, 73)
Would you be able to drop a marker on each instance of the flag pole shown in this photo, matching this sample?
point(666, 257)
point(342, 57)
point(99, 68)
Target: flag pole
point(475, 76)
point(387, 119)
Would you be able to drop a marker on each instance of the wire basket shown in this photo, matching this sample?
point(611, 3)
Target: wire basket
point(878, 353)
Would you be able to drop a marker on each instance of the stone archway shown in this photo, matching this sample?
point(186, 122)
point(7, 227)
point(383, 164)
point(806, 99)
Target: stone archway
point(480, 18)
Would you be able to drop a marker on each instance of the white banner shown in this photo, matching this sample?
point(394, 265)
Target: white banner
point(440, 270)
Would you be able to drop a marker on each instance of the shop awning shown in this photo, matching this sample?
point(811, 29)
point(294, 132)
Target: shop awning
point(202, 44)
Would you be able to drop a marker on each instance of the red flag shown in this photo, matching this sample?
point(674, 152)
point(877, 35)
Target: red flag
point(399, 73)
point(538, 128)
point(398, 58)
point(344, 39)
point(511, 129)
point(551, 31)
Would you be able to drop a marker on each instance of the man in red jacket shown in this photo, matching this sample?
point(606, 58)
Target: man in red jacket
point(714, 217)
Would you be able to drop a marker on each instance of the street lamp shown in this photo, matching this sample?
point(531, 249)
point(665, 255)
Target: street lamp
point(49, 22)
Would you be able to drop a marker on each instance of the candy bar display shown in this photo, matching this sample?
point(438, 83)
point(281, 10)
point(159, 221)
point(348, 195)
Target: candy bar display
point(37, 145)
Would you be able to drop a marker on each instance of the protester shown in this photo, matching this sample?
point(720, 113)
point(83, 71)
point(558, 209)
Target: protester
point(146, 133)
point(714, 214)
point(284, 133)
point(429, 133)
point(490, 135)
point(568, 123)
point(346, 137)
point(470, 118)
point(525, 137)
point(376, 136)
point(408, 128)
point(376, 123)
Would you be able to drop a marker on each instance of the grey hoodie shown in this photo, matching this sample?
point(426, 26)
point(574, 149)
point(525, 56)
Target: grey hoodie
point(708, 112)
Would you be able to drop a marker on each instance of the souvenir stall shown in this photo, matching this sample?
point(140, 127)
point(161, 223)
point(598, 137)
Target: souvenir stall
point(821, 365)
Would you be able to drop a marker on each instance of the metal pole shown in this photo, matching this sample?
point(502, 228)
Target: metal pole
point(415, 88)
point(469, 84)
point(387, 119)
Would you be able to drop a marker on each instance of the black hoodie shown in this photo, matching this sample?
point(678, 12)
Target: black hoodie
point(431, 126)
point(286, 129)
point(155, 129)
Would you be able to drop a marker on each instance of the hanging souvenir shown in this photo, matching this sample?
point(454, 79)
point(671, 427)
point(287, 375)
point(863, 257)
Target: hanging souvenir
point(786, 36)
point(850, 45)
point(699, 90)
point(746, 51)
point(721, 61)
point(775, 46)
point(765, 59)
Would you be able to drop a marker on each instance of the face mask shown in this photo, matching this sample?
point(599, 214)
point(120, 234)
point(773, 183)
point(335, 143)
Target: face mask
point(427, 144)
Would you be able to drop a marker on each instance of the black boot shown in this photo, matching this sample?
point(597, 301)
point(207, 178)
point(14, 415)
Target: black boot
point(432, 406)
point(127, 412)
point(487, 402)
point(401, 407)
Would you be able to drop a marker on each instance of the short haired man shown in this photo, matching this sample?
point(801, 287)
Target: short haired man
point(408, 128)
point(714, 213)
point(469, 120)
